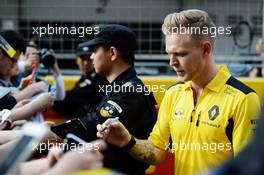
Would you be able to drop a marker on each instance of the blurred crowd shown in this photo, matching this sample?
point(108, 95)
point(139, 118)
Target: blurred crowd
point(24, 96)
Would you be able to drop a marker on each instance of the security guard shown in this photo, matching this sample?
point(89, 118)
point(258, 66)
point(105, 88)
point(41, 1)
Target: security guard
point(125, 97)
point(85, 95)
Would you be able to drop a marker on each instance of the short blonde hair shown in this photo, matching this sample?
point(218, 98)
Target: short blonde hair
point(193, 19)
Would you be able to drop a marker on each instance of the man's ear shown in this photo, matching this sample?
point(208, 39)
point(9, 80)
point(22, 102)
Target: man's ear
point(114, 53)
point(207, 48)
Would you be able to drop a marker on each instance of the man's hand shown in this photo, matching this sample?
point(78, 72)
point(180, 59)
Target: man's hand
point(119, 136)
point(21, 103)
point(54, 155)
point(31, 90)
point(52, 137)
point(45, 101)
point(55, 68)
point(77, 160)
point(116, 134)
point(18, 123)
point(31, 58)
point(25, 82)
point(40, 87)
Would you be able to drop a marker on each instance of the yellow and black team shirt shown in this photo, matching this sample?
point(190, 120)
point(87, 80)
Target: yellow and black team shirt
point(208, 133)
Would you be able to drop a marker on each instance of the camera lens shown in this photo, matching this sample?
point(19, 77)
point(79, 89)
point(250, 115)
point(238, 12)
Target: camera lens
point(46, 58)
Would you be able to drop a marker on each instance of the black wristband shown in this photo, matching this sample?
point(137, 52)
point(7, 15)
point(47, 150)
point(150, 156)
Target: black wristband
point(130, 144)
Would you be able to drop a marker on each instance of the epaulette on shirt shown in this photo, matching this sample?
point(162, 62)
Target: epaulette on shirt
point(137, 85)
point(128, 84)
point(93, 75)
point(86, 82)
point(132, 82)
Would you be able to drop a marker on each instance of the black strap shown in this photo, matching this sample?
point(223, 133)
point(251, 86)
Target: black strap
point(130, 144)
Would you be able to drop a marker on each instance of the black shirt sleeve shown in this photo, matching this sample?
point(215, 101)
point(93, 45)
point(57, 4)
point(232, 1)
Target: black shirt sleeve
point(80, 100)
point(131, 108)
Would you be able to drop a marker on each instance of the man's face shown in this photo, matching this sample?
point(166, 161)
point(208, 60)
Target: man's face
point(85, 64)
point(101, 60)
point(30, 50)
point(186, 56)
point(7, 63)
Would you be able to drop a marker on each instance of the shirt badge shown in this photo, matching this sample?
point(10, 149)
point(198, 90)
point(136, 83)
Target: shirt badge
point(110, 109)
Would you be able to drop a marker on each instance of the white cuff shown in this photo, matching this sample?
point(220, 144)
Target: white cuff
point(60, 90)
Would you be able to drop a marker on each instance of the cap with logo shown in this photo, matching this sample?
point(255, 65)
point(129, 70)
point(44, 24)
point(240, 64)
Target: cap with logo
point(83, 50)
point(121, 37)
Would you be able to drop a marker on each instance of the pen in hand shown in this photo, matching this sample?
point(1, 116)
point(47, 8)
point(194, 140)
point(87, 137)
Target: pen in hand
point(108, 125)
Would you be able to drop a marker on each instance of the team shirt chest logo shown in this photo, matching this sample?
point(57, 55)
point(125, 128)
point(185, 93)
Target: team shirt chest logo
point(179, 113)
point(213, 113)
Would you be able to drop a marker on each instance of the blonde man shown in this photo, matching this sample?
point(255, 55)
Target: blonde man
point(209, 116)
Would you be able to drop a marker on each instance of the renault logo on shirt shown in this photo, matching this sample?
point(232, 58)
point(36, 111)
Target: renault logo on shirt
point(179, 111)
point(213, 112)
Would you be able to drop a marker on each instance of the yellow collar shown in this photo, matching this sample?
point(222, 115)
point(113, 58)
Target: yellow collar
point(217, 83)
